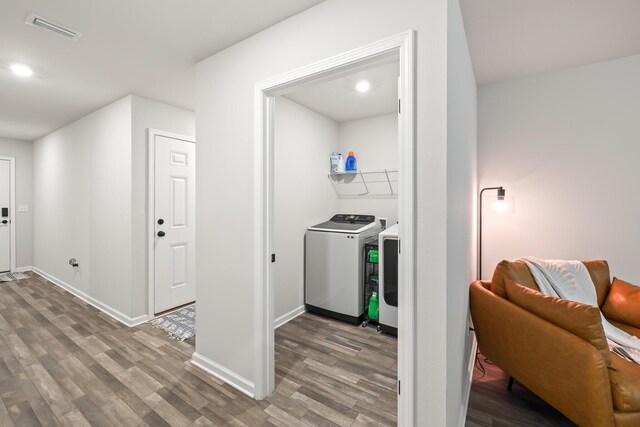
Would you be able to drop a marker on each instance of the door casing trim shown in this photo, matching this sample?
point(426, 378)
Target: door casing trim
point(263, 286)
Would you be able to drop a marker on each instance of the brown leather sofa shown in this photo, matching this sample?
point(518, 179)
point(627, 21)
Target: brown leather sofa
point(566, 371)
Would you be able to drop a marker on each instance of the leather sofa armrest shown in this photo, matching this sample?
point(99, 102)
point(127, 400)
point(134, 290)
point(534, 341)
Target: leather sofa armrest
point(562, 369)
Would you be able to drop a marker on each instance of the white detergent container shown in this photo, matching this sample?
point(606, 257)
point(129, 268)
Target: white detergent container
point(335, 156)
point(341, 164)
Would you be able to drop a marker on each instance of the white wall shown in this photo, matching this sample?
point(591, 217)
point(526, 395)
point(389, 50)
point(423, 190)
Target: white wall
point(23, 152)
point(303, 195)
point(461, 229)
point(82, 191)
point(566, 146)
point(147, 114)
point(90, 182)
point(225, 130)
point(374, 141)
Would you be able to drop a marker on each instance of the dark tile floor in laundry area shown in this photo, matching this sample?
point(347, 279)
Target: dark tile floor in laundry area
point(62, 362)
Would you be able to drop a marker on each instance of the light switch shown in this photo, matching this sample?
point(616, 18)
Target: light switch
point(23, 208)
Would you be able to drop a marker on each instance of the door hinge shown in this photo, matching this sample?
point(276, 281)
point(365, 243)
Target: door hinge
point(273, 257)
point(398, 387)
point(399, 246)
point(399, 106)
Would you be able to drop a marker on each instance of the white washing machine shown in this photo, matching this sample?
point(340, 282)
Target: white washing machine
point(333, 284)
point(388, 280)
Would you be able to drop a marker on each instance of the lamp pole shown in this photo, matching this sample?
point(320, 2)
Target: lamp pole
point(501, 194)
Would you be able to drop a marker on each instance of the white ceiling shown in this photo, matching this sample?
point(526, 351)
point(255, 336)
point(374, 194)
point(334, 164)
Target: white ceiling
point(338, 99)
point(510, 39)
point(144, 47)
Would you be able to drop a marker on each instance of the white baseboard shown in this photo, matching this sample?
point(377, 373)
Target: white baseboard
point(233, 379)
point(138, 320)
point(287, 317)
point(22, 269)
point(467, 392)
point(119, 316)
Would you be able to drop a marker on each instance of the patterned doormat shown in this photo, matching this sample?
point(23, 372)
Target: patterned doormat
point(179, 324)
point(10, 277)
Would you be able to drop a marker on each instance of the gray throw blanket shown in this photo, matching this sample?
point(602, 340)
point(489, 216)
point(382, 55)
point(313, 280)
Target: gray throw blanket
point(570, 280)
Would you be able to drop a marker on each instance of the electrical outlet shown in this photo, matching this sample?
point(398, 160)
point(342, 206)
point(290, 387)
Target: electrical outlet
point(23, 208)
point(383, 223)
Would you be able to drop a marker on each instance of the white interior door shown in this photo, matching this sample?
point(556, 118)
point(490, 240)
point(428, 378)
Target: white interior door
point(5, 215)
point(175, 232)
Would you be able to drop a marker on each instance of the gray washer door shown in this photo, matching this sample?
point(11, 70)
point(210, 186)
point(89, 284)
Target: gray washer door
point(332, 263)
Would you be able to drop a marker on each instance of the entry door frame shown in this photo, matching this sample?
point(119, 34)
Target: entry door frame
point(263, 277)
point(151, 214)
point(12, 211)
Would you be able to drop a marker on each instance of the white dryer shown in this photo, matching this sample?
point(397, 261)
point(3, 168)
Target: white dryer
point(388, 280)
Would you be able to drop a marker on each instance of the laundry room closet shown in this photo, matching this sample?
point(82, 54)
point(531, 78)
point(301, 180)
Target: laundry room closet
point(352, 113)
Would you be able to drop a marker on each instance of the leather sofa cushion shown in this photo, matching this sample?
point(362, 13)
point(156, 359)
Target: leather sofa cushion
point(623, 303)
point(625, 384)
point(581, 320)
point(513, 270)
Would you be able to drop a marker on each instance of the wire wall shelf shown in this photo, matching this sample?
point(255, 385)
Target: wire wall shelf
point(381, 184)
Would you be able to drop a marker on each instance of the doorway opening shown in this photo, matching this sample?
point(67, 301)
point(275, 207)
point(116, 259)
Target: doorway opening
point(171, 221)
point(399, 48)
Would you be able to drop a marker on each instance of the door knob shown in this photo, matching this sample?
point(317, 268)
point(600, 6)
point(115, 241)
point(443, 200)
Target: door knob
point(161, 221)
point(4, 221)
point(161, 233)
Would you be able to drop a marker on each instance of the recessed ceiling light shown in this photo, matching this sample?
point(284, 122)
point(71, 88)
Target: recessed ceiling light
point(21, 70)
point(363, 86)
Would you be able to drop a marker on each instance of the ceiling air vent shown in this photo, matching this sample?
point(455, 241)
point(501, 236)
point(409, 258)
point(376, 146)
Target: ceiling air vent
point(47, 24)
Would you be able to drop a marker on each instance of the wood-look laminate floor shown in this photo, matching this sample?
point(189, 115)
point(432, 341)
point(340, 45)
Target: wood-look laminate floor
point(491, 404)
point(62, 362)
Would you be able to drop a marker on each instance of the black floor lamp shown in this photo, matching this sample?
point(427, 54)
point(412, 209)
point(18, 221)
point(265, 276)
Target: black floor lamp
point(501, 194)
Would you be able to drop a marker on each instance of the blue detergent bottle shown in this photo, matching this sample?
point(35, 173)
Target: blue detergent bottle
point(351, 162)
